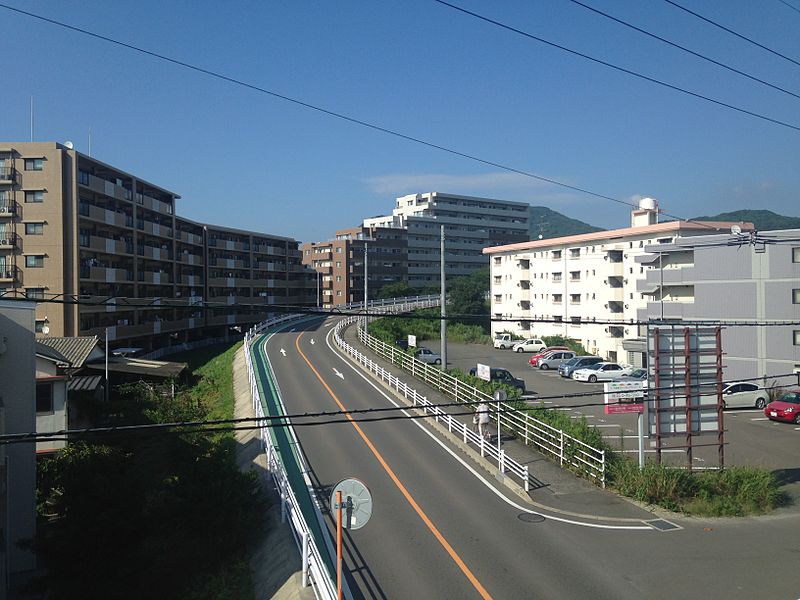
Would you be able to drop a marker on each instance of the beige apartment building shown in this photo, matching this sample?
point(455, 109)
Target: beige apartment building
point(74, 228)
point(339, 263)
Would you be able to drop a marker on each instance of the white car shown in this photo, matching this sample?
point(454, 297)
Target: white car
point(503, 341)
point(744, 395)
point(531, 345)
point(427, 355)
point(602, 371)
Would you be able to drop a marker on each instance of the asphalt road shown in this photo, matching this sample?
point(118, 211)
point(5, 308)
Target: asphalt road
point(439, 531)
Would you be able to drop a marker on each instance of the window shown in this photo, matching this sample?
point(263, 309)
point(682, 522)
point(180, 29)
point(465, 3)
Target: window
point(34, 260)
point(575, 298)
point(338, 249)
point(796, 296)
point(556, 254)
point(796, 333)
point(34, 164)
point(34, 196)
point(338, 292)
point(338, 278)
point(44, 397)
point(574, 275)
point(796, 255)
point(34, 293)
point(574, 252)
point(40, 325)
point(34, 228)
point(338, 263)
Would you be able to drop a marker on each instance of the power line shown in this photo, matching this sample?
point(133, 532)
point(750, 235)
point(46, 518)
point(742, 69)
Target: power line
point(792, 6)
point(274, 421)
point(616, 67)
point(732, 32)
point(363, 123)
point(685, 49)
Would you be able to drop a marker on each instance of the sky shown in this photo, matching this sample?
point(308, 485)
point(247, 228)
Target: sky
point(242, 158)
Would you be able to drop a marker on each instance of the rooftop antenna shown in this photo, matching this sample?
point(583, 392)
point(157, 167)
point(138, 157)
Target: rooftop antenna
point(31, 118)
point(90, 141)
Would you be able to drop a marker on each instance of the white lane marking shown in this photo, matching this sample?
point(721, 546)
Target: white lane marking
point(338, 374)
point(760, 419)
point(663, 450)
point(283, 351)
point(292, 330)
point(616, 437)
point(468, 467)
point(563, 408)
point(609, 425)
point(329, 324)
point(312, 341)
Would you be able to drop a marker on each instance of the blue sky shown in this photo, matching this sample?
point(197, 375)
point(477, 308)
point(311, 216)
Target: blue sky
point(245, 159)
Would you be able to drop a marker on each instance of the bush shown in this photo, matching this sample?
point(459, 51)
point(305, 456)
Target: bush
point(560, 340)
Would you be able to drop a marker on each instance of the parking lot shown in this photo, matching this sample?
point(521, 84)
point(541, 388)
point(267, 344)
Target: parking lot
point(751, 439)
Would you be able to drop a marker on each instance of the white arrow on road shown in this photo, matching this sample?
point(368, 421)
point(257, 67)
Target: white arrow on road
point(338, 374)
point(283, 351)
point(312, 342)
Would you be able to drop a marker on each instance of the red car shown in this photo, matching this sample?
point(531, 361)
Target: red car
point(534, 361)
point(786, 408)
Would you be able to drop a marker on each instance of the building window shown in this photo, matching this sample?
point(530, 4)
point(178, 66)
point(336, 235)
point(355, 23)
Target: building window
point(338, 292)
point(338, 264)
point(34, 261)
point(34, 164)
point(39, 326)
point(575, 298)
point(796, 296)
point(797, 337)
point(83, 177)
point(34, 196)
point(796, 255)
point(34, 228)
point(574, 252)
point(34, 293)
point(574, 275)
point(44, 397)
point(556, 254)
point(338, 249)
point(338, 278)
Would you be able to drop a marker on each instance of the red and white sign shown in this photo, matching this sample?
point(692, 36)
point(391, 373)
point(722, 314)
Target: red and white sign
point(624, 396)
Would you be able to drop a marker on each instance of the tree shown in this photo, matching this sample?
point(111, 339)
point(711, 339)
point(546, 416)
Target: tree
point(399, 289)
point(467, 296)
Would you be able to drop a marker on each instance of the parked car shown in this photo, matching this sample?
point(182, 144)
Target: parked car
point(402, 344)
point(602, 371)
point(554, 359)
point(786, 408)
point(534, 360)
point(744, 395)
point(503, 341)
point(531, 345)
point(427, 355)
point(636, 374)
point(503, 376)
point(567, 367)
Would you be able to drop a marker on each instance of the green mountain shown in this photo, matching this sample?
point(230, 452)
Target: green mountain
point(551, 224)
point(764, 220)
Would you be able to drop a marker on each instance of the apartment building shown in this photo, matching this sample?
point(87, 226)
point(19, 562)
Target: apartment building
point(339, 263)
point(565, 285)
point(470, 224)
point(705, 278)
point(72, 226)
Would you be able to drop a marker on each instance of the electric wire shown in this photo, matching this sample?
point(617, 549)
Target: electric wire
point(792, 6)
point(370, 125)
point(616, 67)
point(291, 420)
point(732, 32)
point(685, 49)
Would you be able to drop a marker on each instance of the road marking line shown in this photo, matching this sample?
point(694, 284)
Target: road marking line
point(409, 498)
point(470, 468)
point(283, 351)
point(338, 374)
point(760, 419)
point(312, 341)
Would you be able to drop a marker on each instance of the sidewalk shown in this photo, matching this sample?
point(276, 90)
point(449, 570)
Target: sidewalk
point(557, 489)
point(275, 562)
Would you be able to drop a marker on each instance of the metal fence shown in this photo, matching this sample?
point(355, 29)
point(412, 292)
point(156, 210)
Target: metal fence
point(569, 450)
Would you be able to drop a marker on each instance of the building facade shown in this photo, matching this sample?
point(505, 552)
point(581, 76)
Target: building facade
point(564, 286)
point(470, 224)
point(339, 263)
point(705, 278)
point(72, 226)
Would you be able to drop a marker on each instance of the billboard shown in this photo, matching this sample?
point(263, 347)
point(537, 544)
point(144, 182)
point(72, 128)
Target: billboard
point(624, 396)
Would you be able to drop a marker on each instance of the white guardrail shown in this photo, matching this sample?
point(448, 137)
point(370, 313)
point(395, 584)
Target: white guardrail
point(311, 550)
point(549, 440)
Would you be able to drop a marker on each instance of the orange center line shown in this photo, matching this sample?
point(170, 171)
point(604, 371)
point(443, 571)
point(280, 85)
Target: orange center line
point(433, 529)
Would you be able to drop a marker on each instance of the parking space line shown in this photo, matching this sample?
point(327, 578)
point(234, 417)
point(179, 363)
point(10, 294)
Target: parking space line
point(759, 419)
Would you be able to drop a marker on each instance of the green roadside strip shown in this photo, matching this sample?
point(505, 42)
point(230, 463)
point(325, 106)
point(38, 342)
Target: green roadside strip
point(287, 453)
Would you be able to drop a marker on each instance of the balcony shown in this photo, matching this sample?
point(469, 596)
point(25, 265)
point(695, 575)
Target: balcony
point(8, 209)
point(101, 215)
point(276, 250)
point(228, 282)
point(228, 263)
point(102, 186)
point(228, 244)
point(8, 174)
point(107, 245)
point(615, 269)
point(233, 300)
point(615, 306)
point(188, 258)
point(190, 238)
point(154, 204)
point(10, 274)
point(105, 274)
point(615, 294)
point(273, 266)
point(155, 277)
point(154, 228)
point(10, 241)
point(671, 276)
point(154, 253)
point(191, 280)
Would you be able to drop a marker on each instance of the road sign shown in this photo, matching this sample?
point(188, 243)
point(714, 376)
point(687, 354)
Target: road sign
point(412, 341)
point(484, 372)
point(356, 503)
point(624, 396)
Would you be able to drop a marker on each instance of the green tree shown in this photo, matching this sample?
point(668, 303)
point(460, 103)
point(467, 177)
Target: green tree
point(467, 296)
point(399, 289)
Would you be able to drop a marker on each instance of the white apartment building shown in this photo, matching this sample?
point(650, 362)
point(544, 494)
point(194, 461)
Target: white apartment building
point(567, 284)
point(470, 224)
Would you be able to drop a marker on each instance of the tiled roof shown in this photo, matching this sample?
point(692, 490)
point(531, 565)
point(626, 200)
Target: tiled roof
point(51, 353)
point(74, 349)
point(84, 383)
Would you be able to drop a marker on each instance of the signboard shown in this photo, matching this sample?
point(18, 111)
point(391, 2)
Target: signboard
point(484, 372)
point(412, 341)
point(624, 396)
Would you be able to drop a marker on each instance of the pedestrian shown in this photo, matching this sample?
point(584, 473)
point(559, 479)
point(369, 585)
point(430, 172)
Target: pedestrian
point(483, 420)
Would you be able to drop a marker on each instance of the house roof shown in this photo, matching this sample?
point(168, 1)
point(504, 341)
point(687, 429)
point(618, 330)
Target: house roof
point(667, 227)
point(141, 366)
point(75, 349)
point(84, 383)
point(49, 353)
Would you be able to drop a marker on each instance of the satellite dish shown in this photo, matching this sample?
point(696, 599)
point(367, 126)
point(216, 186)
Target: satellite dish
point(69, 144)
point(540, 236)
point(45, 329)
point(736, 230)
point(356, 503)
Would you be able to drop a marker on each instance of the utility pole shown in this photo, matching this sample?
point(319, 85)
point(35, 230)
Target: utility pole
point(443, 324)
point(107, 385)
point(366, 274)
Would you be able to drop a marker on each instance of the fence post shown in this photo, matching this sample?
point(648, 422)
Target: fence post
point(283, 505)
point(527, 479)
point(449, 423)
point(527, 441)
point(482, 441)
point(305, 559)
point(603, 468)
point(501, 460)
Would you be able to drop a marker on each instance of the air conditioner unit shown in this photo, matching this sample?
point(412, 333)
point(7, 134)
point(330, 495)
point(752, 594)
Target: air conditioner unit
point(5, 242)
point(605, 305)
point(606, 329)
point(626, 306)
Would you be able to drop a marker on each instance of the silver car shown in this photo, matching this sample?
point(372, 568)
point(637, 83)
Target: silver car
point(744, 395)
point(554, 359)
point(427, 355)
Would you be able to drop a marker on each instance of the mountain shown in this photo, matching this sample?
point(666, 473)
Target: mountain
point(551, 224)
point(764, 220)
